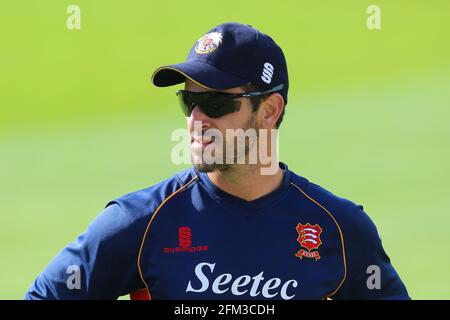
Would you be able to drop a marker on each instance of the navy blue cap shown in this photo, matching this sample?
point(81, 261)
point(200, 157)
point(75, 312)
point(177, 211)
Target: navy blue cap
point(227, 56)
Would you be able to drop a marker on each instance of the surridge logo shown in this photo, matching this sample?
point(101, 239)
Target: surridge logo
point(185, 237)
point(267, 73)
point(185, 242)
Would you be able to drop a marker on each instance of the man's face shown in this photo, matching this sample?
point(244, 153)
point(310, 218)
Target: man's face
point(201, 140)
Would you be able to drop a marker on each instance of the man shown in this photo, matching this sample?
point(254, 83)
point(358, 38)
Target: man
point(227, 229)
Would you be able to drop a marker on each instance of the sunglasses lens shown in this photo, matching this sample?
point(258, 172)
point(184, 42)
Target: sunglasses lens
point(185, 103)
point(212, 104)
point(215, 107)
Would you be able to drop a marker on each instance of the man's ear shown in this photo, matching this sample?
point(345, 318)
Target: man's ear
point(273, 106)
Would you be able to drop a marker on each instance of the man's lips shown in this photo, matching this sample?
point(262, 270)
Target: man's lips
point(201, 141)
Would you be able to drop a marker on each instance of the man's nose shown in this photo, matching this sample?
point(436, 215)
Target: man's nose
point(199, 120)
point(198, 115)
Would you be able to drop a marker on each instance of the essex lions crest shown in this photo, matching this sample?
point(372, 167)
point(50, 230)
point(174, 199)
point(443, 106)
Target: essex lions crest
point(208, 43)
point(309, 238)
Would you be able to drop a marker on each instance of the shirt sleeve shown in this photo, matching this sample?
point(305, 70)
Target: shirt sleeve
point(100, 264)
point(370, 274)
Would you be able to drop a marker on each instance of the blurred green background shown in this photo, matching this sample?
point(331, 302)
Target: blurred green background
point(368, 116)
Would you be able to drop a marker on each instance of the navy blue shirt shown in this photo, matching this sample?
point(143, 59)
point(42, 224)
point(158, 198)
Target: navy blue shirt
point(184, 238)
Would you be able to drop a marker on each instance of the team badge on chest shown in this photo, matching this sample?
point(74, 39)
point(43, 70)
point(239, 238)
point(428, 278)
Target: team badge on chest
point(309, 238)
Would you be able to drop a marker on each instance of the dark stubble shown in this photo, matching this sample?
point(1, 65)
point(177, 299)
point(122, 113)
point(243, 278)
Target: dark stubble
point(251, 123)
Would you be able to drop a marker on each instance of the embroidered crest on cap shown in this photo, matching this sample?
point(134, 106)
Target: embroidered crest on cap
point(208, 43)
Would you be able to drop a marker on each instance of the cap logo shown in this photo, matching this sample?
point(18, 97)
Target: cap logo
point(208, 43)
point(267, 73)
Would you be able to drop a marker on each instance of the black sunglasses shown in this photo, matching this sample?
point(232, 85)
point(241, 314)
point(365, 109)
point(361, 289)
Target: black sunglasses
point(216, 104)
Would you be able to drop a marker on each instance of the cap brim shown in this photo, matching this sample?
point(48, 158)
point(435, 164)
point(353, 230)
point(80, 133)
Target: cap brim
point(201, 73)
